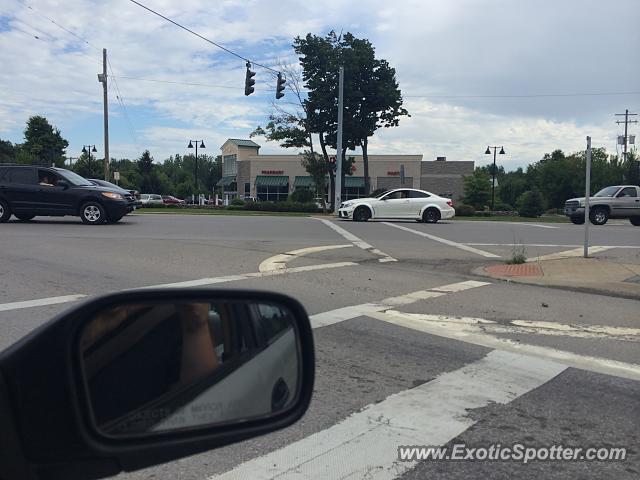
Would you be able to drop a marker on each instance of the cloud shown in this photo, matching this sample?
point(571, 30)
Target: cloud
point(445, 48)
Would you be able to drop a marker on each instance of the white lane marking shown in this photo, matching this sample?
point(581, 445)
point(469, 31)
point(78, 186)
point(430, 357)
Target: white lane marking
point(542, 245)
point(475, 331)
point(279, 262)
point(234, 278)
point(366, 309)
point(460, 286)
point(577, 252)
point(345, 313)
point(358, 242)
point(365, 444)
point(41, 302)
point(451, 243)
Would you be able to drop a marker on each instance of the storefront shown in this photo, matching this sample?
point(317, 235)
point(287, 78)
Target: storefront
point(247, 174)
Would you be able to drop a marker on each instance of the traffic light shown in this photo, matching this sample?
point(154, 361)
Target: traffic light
point(280, 87)
point(249, 82)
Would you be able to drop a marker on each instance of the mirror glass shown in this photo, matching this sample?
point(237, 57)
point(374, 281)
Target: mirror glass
point(155, 367)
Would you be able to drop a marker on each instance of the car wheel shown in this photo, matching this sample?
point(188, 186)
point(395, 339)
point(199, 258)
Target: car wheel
point(361, 214)
point(599, 216)
point(635, 221)
point(577, 220)
point(23, 217)
point(92, 213)
point(5, 212)
point(431, 215)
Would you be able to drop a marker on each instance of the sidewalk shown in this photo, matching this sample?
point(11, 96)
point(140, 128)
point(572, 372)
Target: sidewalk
point(587, 274)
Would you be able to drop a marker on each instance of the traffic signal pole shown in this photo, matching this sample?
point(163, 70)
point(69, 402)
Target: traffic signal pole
point(338, 192)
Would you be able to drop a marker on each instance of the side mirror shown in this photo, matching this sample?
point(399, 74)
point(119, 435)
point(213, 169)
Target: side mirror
point(63, 183)
point(139, 378)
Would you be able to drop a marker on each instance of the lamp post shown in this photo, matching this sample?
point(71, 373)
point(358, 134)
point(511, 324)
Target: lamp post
point(195, 173)
point(88, 149)
point(493, 173)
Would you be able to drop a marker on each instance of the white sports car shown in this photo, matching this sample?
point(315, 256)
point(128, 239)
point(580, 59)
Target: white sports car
point(399, 203)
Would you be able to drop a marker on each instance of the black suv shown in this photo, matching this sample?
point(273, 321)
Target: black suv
point(28, 191)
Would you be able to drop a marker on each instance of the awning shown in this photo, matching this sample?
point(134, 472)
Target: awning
point(305, 182)
point(272, 181)
point(353, 182)
point(226, 181)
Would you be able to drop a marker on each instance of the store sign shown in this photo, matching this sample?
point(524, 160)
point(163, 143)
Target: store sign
point(272, 172)
point(393, 173)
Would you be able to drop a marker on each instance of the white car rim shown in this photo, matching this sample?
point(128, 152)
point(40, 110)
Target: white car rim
point(1, 210)
point(600, 217)
point(92, 213)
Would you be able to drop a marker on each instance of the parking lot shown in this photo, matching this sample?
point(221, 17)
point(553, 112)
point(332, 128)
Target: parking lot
point(394, 305)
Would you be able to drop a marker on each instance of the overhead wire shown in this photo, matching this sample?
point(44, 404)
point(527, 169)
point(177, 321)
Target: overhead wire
point(203, 37)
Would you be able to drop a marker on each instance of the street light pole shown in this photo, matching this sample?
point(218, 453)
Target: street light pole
point(338, 182)
point(195, 171)
point(493, 173)
point(88, 149)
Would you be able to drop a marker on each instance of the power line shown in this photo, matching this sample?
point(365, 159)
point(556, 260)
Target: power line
point(173, 82)
point(84, 40)
point(202, 37)
point(124, 107)
point(592, 94)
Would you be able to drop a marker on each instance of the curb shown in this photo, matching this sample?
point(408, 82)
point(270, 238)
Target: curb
point(480, 271)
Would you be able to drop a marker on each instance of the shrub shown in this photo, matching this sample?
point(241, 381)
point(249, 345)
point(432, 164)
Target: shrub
point(282, 207)
point(464, 210)
point(302, 195)
point(518, 255)
point(503, 207)
point(235, 207)
point(530, 204)
point(237, 202)
point(483, 213)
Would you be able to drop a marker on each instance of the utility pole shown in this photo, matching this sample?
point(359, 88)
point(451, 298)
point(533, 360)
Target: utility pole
point(626, 122)
point(338, 192)
point(587, 195)
point(102, 78)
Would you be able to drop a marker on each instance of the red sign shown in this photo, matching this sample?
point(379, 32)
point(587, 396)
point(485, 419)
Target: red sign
point(392, 174)
point(353, 168)
point(272, 172)
point(332, 159)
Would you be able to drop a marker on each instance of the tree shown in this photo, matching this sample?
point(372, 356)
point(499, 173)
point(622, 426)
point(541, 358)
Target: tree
point(372, 96)
point(89, 168)
point(530, 204)
point(43, 142)
point(477, 189)
point(7, 152)
point(148, 181)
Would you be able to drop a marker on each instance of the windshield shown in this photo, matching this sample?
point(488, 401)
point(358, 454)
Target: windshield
point(74, 178)
point(607, 192)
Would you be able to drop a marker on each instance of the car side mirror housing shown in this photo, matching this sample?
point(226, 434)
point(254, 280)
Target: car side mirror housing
point(138, 378)
point(63, 183)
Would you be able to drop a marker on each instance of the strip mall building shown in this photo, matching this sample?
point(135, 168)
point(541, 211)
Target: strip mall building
point(246, 173)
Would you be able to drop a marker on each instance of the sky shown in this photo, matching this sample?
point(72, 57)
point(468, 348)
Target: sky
point(473, 73)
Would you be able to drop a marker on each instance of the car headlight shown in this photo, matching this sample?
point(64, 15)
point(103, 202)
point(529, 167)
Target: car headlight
point(346, 204)
point(113, 196)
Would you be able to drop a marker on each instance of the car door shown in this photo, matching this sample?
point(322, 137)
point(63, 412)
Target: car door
point(21, 189)
point(395, 204)
point(54, 199)
point(418, 201)
point(627, 203)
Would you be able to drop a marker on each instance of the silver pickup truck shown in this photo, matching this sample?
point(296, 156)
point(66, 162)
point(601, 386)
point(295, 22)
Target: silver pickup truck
point(618, 201)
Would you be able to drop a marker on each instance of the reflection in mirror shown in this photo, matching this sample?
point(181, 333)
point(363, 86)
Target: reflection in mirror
point(153, 367)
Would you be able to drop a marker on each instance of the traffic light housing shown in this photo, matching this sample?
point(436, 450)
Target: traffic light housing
point(249, 82)
point(280, 87)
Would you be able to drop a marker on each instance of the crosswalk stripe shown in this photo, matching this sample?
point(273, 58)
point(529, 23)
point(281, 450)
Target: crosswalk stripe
point(451, 243)
point(40, 302)
point(365, 444)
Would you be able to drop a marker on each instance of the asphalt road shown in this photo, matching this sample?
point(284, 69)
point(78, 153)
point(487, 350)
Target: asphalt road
point(479, 363)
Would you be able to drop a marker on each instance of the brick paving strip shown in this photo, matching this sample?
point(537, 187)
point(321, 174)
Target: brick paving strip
point(521, 270)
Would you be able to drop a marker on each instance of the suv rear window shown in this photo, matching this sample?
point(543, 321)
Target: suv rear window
point(22, 175)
